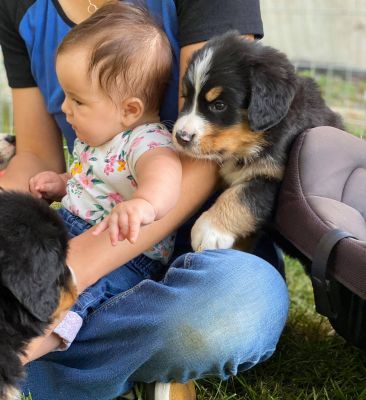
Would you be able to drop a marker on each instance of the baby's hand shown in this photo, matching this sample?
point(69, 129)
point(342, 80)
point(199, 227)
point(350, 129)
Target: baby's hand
point(48, 185)
point(125, 220)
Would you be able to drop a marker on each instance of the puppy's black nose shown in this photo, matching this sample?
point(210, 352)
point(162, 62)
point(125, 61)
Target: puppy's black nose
point(183, 137)
point(10, 139)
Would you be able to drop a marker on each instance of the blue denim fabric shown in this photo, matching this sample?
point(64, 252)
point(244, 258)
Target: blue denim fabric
point(118, 281)
point(214, 313)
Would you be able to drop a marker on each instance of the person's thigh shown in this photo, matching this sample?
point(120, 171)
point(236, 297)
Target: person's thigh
point(74, 225)
point(225, 312)
point(117, 281)
point(214, 313)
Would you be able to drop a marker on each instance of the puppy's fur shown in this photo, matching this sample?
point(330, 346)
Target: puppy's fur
point(35, 283)
point(7, 149)
point(243, 107)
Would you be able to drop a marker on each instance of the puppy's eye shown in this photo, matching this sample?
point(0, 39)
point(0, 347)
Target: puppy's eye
point(217, 106)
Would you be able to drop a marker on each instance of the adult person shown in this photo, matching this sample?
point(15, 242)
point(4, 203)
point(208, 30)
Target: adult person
point(216, 312)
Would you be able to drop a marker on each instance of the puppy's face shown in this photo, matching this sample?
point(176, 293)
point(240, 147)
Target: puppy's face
point(33, 247)
point(35, 283)
point(234, 92)
point(7, 149)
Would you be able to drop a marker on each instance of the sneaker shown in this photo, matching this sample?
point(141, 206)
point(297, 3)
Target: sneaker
point(170, 391)
point(131, 395)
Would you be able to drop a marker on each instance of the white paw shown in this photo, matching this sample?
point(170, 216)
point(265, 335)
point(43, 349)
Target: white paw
point(206, 236)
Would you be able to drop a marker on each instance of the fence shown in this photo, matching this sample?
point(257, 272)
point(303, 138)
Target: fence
point(327, 39)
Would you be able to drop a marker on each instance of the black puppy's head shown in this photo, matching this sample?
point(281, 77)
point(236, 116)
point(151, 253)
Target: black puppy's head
point(35, 283)
point(234, 92)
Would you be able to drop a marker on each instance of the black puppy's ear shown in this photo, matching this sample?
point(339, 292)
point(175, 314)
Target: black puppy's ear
point(273, 87)
point(33, 279)
point(33, 247)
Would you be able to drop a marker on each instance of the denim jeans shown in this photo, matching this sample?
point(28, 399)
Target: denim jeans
point(118, 281)
point(215, 313)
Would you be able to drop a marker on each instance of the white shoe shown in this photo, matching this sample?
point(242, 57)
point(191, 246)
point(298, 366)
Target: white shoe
point(170, 391)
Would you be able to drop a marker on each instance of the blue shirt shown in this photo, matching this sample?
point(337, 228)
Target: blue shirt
point(43, 27)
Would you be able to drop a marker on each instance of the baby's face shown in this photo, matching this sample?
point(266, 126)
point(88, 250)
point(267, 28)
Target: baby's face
point(94, 117)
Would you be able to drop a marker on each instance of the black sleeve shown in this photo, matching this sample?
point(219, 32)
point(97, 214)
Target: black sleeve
point(16, 59)
point(199, 20)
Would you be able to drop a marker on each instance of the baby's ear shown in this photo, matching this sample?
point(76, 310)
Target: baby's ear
point(132, 109)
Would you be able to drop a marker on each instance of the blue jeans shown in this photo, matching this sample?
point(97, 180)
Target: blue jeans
point(214, 313)
point(118, 281)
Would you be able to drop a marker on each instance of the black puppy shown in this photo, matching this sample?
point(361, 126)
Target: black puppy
point(35, 283)
point(243, 107)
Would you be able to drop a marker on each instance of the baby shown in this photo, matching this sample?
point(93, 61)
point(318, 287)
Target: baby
point(113, 69)
point(125, 172)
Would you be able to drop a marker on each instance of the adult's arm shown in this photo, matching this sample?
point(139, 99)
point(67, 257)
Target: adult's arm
point(39, 143)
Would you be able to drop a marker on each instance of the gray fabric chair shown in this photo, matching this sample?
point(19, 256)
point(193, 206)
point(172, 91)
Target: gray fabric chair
point(320, 217)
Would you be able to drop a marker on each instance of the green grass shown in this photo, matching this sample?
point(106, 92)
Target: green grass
point(347, 97)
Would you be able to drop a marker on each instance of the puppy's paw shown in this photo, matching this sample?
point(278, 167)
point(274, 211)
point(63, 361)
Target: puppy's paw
point(206, 236)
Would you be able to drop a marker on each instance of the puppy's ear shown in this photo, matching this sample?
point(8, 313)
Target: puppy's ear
point(273, 87)
point(34, 278)
point(33, 247)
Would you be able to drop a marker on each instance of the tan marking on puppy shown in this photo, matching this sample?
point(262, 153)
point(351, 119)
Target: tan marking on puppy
point(11, 393)
point(213, 93)
point(67, 299)
point(264, 166)
point(230, 215)
point(237, 140)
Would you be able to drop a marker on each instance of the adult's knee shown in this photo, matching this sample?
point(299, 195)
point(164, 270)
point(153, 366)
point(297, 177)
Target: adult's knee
point(229, 318)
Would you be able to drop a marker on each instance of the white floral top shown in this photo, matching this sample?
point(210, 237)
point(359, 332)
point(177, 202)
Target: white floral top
point(104, 176)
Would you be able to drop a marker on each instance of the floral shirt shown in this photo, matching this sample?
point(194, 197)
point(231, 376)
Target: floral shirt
point(103, 176)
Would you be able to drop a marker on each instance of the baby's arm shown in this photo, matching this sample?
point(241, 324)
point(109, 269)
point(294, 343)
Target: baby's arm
point(159, 174)
point(49, 185)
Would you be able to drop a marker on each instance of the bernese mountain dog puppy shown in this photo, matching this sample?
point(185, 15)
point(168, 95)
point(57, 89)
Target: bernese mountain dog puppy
point(35, 283)
point(243, 107)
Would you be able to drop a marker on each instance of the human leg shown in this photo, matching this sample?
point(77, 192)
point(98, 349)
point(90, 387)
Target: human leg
point(118, 281)
point(215, 313)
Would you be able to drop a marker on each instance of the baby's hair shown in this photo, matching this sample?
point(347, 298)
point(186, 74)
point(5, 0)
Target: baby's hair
point(130, 53)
